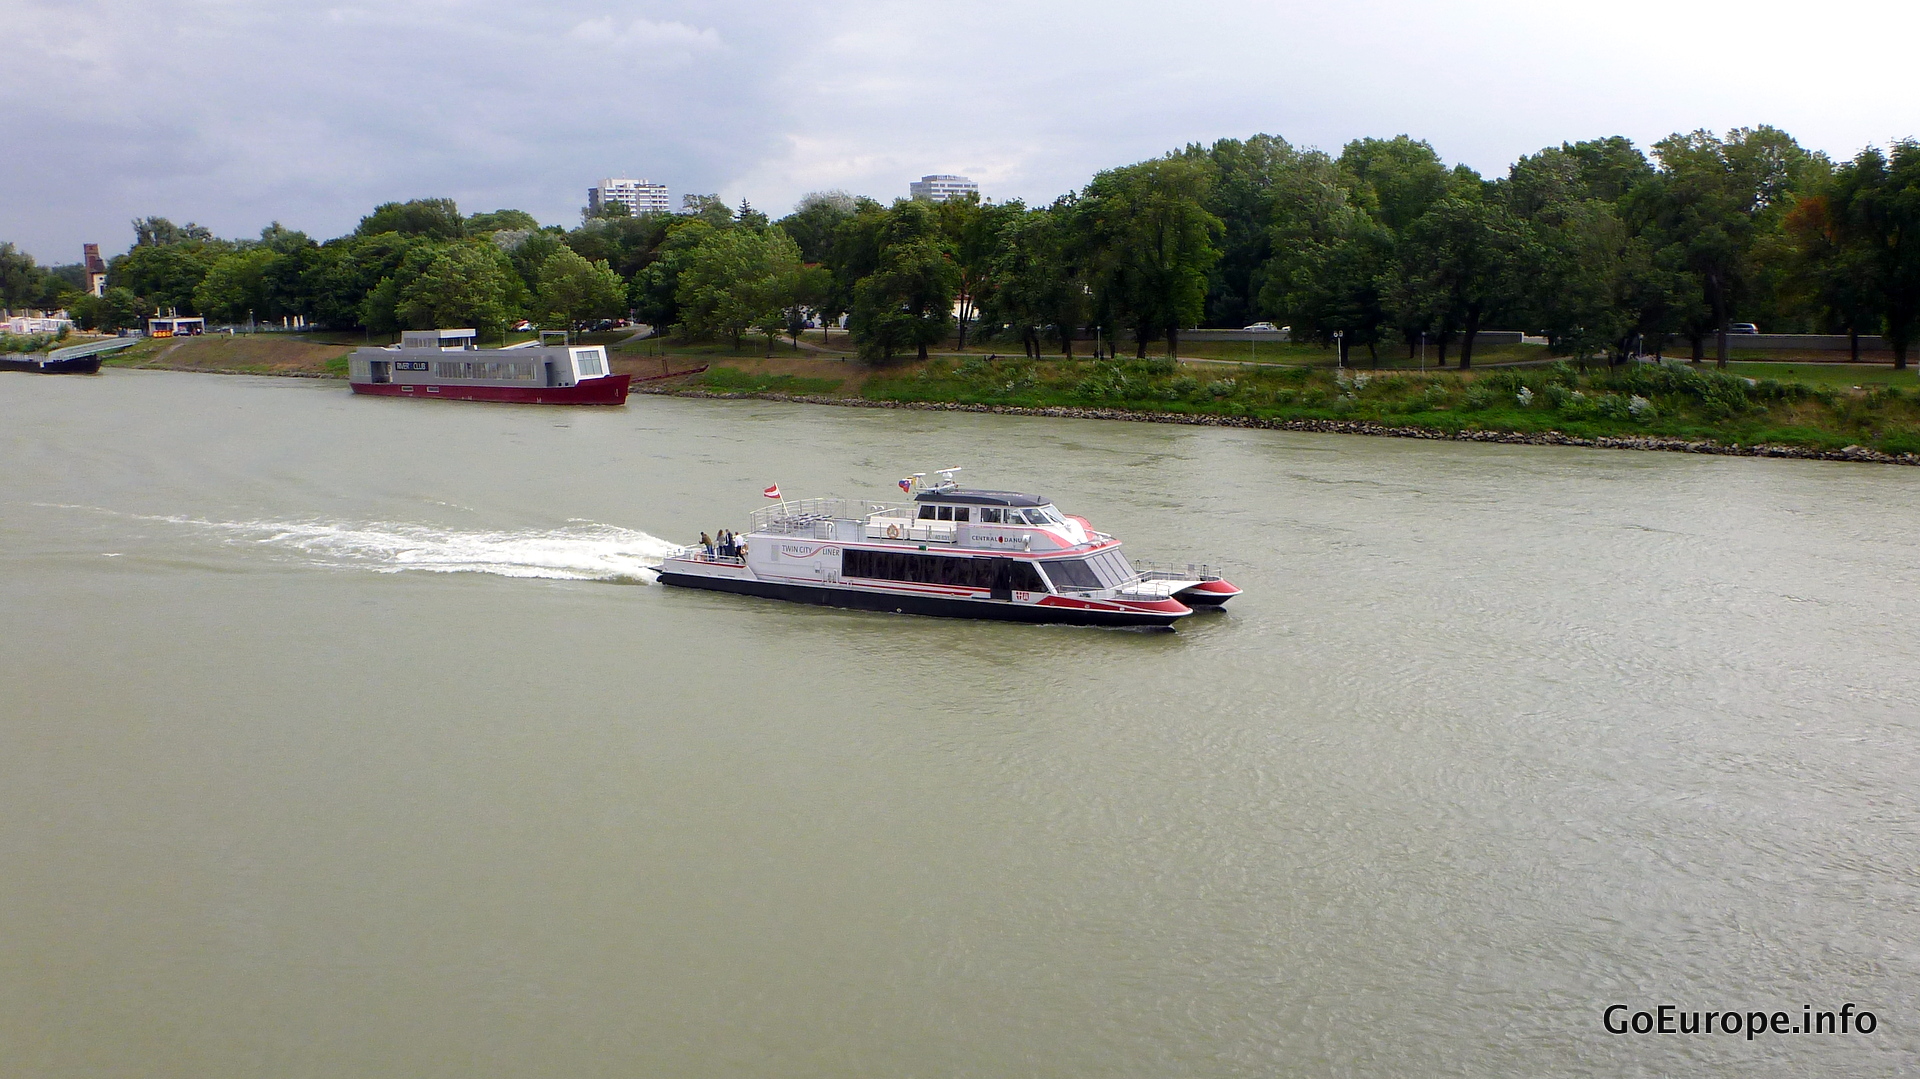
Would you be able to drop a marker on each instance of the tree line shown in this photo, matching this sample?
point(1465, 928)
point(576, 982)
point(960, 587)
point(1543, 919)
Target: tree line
point(1597, 245)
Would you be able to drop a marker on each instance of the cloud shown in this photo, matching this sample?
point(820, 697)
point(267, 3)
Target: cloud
point(645, 34)
point(235, 114)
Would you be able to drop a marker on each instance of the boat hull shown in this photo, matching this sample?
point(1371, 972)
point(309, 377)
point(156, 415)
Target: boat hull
point(611, 390)
point(84, 365)
point(936, 606)
point(1213, 593)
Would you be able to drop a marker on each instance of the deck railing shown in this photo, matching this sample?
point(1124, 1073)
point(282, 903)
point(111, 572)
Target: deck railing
point(1174, 571)
point(800, 516)
point(693, 552)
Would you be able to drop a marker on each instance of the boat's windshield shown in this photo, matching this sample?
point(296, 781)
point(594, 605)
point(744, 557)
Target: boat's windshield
point(1107, 569)
point(1043, 515)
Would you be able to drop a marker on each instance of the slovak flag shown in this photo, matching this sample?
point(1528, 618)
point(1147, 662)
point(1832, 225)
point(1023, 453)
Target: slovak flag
point(907, 486)
point(772, 492)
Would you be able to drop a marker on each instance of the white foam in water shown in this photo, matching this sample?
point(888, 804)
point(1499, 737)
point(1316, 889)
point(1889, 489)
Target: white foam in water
point(581, 551)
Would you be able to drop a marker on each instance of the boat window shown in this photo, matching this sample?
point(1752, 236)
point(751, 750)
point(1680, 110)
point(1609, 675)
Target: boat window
point(957, 571)
point(960, 513)
point(926, 513)
point(1027, 579)
point(1113, 568)
point(1046, 515)
point(946, 513)
point(990, 515)
point(1074, 575)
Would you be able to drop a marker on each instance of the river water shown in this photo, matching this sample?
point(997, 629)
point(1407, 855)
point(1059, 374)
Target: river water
point(350, 737)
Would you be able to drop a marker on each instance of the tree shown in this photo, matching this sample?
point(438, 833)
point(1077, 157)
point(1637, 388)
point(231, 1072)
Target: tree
point(118, 309)
point(655, 291)
point(1037, 286)
point(22, 283)
point(165, 275)
point(159, 232)
point(1900, 249)
point(853, 255)
point(813, 286)
point(1874, 211)
point(497, 220)
point(1831, 252)
point(907, 301)
point(466, 284)
point(814, 221)
point(235, 286)
point(708, 208)
point(1248, 179)
point(738, 280)
point(573, 290)
point(1459, 264)
point(1331, 257)
point(748, 217)
point(1152, 242)
point(1709, 201)
point(437, 219)
point(969, 229)
point(1395, 179)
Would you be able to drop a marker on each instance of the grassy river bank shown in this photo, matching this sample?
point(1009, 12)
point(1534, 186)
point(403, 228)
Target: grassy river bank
point(1785, 409)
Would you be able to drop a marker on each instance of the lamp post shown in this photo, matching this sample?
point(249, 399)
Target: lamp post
point(1339, 350)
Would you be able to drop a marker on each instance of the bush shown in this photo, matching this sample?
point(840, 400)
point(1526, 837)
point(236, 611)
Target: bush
point(1484, 395)
point(973, 369)
point(1223, 388)
point(1185, 386)
point(1105, 381)
point(1504, 382)
point(1613, 407)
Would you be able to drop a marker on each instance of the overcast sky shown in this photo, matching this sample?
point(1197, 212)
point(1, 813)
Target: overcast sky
point(234, 113)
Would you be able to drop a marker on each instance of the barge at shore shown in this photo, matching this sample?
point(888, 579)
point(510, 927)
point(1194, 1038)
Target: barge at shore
point(425, 365)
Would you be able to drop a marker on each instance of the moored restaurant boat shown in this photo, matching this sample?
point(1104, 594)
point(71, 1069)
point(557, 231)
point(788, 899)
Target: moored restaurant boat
point(952, 551)
point(425, 365)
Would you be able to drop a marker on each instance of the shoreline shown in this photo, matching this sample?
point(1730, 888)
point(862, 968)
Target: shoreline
point(1854, 454)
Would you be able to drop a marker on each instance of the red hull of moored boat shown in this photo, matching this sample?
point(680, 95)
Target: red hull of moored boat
point(611, 390)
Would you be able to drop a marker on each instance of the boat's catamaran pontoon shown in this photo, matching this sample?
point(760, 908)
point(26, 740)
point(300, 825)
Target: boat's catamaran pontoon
point(951, 551)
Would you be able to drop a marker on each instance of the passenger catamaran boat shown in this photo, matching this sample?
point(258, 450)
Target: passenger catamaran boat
point(951, 551)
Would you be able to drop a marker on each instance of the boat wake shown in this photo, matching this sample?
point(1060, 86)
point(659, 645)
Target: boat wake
point(580, 551)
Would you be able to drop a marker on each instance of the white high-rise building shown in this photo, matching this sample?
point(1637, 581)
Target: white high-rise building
point(638, 196)
point(941, 188)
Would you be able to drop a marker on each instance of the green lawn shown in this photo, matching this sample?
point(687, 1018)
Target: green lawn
point(734, 380)
point(1838, 376)
point(1683, 401)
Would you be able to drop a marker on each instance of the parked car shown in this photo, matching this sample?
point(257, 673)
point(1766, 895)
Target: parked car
point(1743, 327)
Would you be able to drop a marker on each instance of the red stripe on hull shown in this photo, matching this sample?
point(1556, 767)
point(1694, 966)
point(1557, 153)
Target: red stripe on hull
point(611, 390)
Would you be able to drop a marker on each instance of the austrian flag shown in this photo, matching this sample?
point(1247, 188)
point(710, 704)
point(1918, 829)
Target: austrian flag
point(772, 492)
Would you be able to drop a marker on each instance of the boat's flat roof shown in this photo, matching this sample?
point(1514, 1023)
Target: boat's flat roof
point(982, 498)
